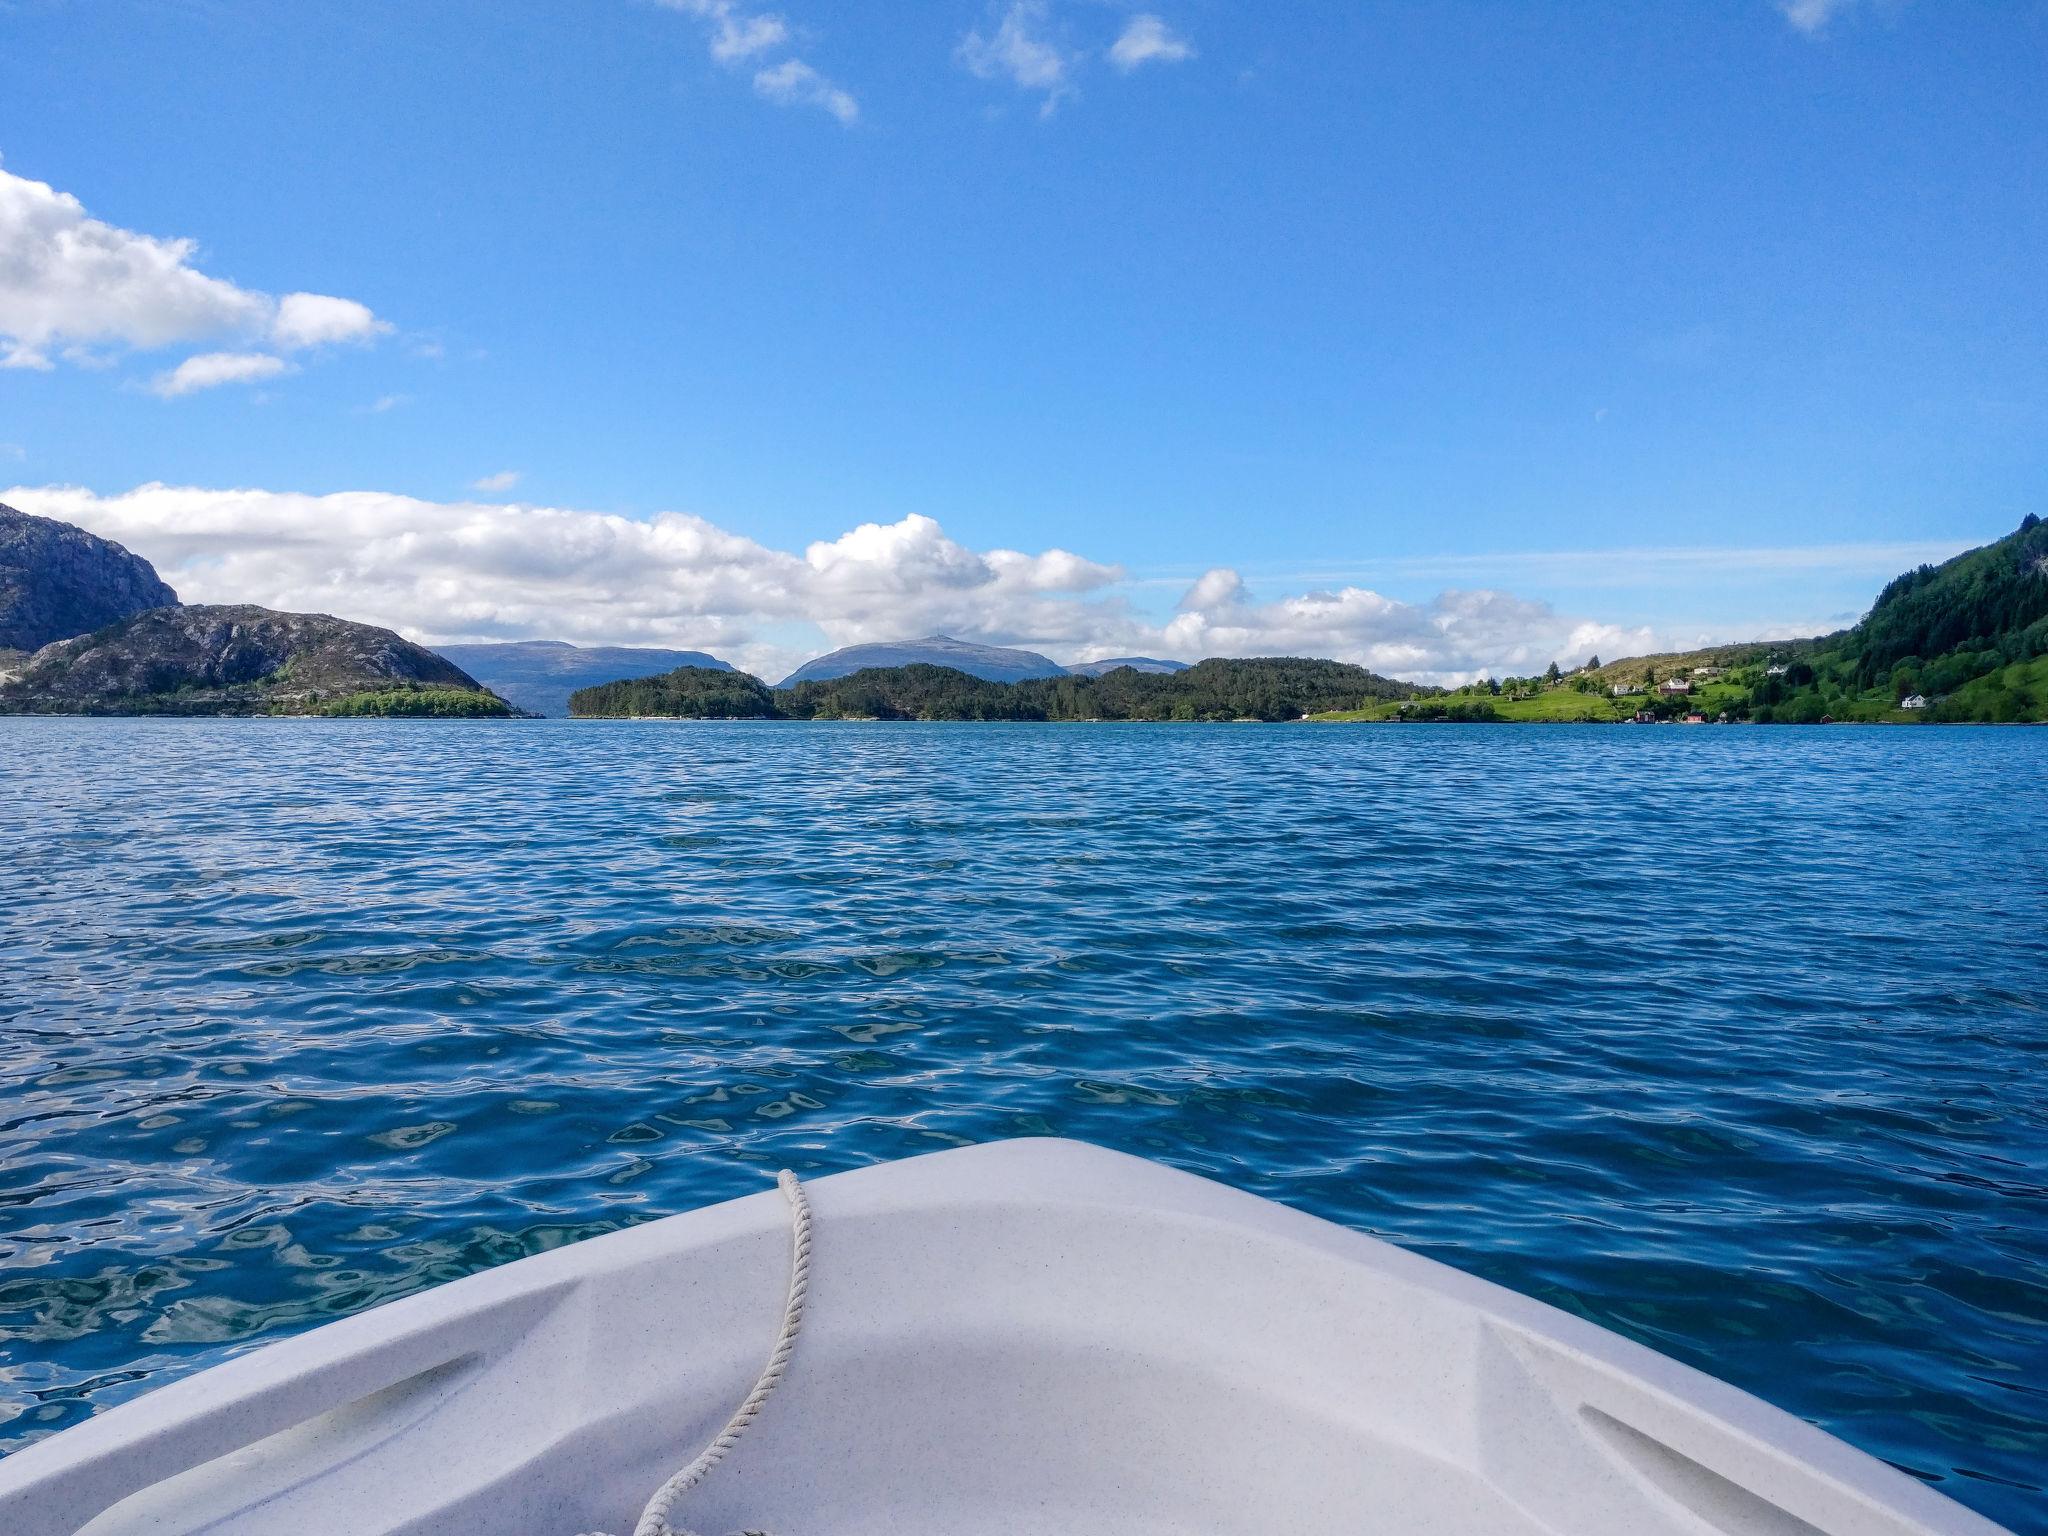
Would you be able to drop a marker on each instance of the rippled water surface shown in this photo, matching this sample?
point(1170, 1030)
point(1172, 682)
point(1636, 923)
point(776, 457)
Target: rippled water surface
point(1731, 1039)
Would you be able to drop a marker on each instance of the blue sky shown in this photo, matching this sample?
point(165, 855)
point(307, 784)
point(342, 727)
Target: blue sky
point(1720, 312)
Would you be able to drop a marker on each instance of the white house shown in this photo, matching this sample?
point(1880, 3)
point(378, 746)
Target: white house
point(1913, 701)
point(1674, 685)
point(1775, 669)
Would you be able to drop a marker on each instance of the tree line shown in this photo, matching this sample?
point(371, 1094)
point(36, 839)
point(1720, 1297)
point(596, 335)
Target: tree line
point(1259, 688)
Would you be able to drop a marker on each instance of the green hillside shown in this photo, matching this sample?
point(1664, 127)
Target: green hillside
point(1958, 642)
point(1258, 688)
point(1961, 642)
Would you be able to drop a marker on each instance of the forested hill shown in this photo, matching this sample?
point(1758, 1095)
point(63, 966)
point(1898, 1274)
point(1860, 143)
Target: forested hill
point(1993, 599)
point(1263, 688)
point(1963, 641)
point(687, 693)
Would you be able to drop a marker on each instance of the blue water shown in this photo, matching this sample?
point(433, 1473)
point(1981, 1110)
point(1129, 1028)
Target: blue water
point(1730, 1039)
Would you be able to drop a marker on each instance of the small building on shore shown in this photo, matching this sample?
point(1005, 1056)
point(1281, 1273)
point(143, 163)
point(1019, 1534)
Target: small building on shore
point(1913, 701)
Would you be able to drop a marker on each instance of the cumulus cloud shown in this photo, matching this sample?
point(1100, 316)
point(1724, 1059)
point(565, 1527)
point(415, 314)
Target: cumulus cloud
point(210, 370)
point(69, 279)
point(70, 283)
point(443, 571)
point(503, 480)
point(449, 571)
point(318, 319)
point(1455, 636)
point(1018, 50)
point(795, 83)
point(738, 36)
point(1146, 39)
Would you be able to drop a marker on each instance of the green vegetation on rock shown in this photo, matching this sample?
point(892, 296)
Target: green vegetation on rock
point(697, 693)
point(416, 703)
point(240, 660)
point(1264, 688)
point(1958, 642)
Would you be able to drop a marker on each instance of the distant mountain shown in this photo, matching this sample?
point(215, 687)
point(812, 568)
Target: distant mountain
point(57, 581)
point(1135, 663)
point(241, 661)
point(539, 675)
point(991, 663)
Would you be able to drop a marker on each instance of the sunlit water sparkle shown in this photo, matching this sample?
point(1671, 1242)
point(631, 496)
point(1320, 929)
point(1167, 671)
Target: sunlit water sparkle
point(1730, 1039)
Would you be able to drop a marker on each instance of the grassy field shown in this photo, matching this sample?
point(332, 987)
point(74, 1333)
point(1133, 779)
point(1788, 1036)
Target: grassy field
point(1563, 704)
point(1557, 706)
point(2014, 693)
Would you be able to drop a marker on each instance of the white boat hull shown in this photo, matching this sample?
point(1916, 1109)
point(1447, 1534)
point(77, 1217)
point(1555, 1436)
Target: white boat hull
point(1024, 1339)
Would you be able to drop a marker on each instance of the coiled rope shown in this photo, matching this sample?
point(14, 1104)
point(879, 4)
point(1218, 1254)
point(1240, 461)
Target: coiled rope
point(654, 1519)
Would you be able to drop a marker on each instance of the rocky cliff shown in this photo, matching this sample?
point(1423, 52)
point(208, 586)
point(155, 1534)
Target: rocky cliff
point(57, 581)
point(241, 660)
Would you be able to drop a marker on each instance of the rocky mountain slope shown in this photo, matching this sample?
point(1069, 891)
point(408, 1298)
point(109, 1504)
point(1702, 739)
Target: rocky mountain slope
point(242, 660)
point(57, 581)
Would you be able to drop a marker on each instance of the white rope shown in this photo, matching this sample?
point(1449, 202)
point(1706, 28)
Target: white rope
point(654, 1518)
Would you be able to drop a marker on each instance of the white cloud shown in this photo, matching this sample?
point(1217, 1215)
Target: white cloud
point(70, 283)
point(1812, 16)
point(503, 480)
point(1018, 51)
point(384, 403)
point(795, 83)
point(1641, 565)
point(210, 370)
point(738, 36)
point(318, 319)
point(66, 278)
point(1455, 636)
point(1147, 39)
point(448, 571)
